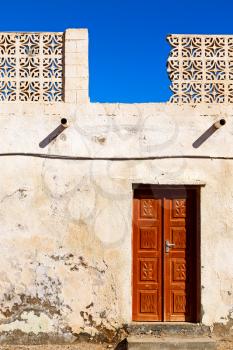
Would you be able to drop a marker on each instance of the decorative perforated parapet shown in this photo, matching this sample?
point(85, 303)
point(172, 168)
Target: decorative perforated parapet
point(31, 66)
point(200, 68)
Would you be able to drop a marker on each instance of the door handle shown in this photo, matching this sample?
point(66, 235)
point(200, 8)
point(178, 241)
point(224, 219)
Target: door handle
point(168, 245)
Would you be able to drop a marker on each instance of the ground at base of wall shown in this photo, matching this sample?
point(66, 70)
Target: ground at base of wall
point(79, 346)
point(225, 345)
point(221, 345)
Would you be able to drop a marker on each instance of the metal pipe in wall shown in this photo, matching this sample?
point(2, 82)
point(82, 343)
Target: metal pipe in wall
point(219, 123)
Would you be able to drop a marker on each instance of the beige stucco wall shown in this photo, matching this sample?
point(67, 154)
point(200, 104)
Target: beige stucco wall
point(65, 224)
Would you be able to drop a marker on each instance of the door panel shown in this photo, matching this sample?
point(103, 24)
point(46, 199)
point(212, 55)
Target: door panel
point(147, 259)
point(177, 231)
point(164, 277)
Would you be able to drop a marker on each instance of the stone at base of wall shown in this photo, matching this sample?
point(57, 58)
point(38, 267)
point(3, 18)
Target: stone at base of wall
point(79, 346)
point(19, 338)
point(221, 345)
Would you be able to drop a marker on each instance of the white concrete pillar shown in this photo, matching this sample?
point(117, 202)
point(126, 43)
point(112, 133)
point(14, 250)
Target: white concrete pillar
point(76, 78)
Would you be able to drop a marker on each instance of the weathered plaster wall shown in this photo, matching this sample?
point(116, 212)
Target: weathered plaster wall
point(65, 262)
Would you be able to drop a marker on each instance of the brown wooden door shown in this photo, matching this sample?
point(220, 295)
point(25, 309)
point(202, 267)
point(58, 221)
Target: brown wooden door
point(164, 249)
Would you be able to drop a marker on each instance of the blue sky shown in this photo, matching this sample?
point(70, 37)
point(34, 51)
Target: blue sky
point(128, 48)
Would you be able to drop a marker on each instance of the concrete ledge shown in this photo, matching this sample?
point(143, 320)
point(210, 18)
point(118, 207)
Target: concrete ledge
point(169, 329)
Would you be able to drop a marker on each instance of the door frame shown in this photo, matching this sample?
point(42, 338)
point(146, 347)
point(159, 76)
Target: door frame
point(153, 188)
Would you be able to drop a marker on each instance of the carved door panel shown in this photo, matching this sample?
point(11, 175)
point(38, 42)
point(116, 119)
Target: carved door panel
point(164, 246)
point(179, 272)
point(147, 287)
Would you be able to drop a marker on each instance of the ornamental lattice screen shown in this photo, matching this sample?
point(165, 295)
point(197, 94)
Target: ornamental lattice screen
point(31, 67)
point(200, 68)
